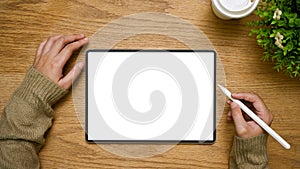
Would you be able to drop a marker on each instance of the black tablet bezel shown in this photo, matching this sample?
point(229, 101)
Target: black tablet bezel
point(148, 141)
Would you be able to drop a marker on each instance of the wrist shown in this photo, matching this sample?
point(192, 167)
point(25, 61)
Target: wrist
point(244, 148)
point(41, 86)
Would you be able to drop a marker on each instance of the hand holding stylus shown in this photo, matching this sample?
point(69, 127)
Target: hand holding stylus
point(260, 116)
point(246, 127)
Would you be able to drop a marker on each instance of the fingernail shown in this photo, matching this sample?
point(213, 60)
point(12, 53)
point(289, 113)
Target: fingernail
point(81, 35)
point(80, 65)
point(85, 39)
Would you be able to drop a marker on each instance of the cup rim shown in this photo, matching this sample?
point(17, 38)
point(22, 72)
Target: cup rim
point(221, 10)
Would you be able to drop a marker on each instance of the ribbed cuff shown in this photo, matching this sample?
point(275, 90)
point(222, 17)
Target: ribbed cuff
point(252, 149)
point(41, 86)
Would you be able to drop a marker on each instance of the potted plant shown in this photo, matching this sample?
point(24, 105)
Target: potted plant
point(278, 32)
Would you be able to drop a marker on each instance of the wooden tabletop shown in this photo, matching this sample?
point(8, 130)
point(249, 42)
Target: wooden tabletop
point(24, 24)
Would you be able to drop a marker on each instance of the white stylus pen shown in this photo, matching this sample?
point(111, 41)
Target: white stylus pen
point(262, 124)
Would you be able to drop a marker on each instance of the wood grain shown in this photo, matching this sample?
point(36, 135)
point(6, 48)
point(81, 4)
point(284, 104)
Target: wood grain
point(24, 24)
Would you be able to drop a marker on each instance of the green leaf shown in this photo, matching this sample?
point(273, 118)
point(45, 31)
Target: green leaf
point(259, 41)
point(272, 35)
point(297, 22)
point(295, 73)
point(284, 52)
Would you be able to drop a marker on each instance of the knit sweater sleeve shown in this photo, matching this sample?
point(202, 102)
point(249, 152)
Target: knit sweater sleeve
point(25, 119)
point(249, 153)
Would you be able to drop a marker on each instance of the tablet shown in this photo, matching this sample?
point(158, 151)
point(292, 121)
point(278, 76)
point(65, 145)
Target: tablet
point(150, 96)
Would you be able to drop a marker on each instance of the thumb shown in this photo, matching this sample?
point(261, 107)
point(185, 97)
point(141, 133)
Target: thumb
point(237, 117)
point(67, 81)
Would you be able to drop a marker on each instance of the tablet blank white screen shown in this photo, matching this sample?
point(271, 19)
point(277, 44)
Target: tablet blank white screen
point(150, 95)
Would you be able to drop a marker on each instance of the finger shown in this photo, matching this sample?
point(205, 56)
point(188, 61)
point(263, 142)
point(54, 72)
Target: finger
point(49, 43)
point(228, 102)
point(229, 113)
point(229, 116)
point(62, 41)
point(67, 51)
point(67, 81)
point(257, 103)
point(237, 116)
point(250, 97)
point(40, 48)
point(39, 52)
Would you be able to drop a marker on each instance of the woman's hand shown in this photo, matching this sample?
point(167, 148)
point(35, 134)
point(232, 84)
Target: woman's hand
point(53, 54)
point(244, 126)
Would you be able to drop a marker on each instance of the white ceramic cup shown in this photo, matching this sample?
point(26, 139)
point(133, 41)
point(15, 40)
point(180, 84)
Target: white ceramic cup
point(233, 9)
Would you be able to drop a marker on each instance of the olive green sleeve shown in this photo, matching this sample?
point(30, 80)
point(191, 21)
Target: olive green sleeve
point(25, 119)
point(249, 153)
